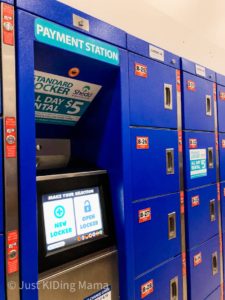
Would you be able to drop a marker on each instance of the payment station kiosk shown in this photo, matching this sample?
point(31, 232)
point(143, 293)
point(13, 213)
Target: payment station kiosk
point(70, 80)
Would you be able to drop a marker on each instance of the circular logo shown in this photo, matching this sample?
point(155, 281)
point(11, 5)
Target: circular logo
point(59, 211)
point(86, 89)
point(74, 72)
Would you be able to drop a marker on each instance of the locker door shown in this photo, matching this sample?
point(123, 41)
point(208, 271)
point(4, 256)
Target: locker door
point(156, 231)
point(153, 96)
point(198, 108)
point(201, 215)
point(222, 155)
point(222, 196)
point(154, 162)
point(199, 159)
point(221, 107)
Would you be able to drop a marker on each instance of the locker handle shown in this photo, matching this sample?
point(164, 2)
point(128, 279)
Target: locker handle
point(174, 289)
point(214, 263)
point(169, 161)
point(212, 210)
point(208, 105)
point(210, 158)
point(168, 98)
point(172, 231)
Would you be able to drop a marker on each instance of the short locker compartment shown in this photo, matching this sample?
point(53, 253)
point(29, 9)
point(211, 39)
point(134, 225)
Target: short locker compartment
point(199, 159)
point(153, 95)
point(154, 162)
point(222, 155)
point(164, 282)
point(204, 269)
point(201, 215)
point(221, 101)
point(215, 295)
point(197, 98)
point(222, 197)
point(2, 268)
point(156, 231)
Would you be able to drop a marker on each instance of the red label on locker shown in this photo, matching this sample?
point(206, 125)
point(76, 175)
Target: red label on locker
point(218, 191)
point(224, 192)
point(222, 95)
point(223, 143)
point(141, 70)
point(13, 258)
point(197, 259)
point(191, 85)
point(178, 81)
point(184, 269)
point(214, 91)
point(10, 137)
point(147, 289)
point(217, 140)
point(182, 202)
point(221, 242)
point(222, 291)
point(144, 215)
point(142, 142)
point(195, 201)
point(8, 24)
point(193, 143)
point(180, 142)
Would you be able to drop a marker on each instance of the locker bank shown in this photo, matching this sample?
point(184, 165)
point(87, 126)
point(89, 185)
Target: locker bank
point(112, 169)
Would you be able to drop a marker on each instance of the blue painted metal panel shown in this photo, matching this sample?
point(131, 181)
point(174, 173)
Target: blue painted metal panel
point(1, 181)
point(220, 79)
point(139, 46)
point(199, 225)
point(201, 279)
point(147, 94)
point(161, 278)
point(149, 166)
point(204, 140)
point(152, 235)
point(222, 155)
point(190, 67)
point(8, 1)
point(221, 107)
point(2, 268)
point(63, 14)
point(194, 93)
point(222, 196)
point(216, 295)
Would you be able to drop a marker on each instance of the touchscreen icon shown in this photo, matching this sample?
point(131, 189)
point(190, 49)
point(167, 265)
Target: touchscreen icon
point(59, 211)
point(87, 206)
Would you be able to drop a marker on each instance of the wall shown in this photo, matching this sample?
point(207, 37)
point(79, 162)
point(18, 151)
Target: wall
point(194, 29)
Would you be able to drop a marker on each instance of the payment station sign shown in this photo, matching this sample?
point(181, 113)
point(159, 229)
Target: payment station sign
point(58, 36)
point(72, 217)
point(61, 100)
point(198, 165)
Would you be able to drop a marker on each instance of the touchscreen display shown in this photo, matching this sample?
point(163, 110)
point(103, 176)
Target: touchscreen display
point(72, 217)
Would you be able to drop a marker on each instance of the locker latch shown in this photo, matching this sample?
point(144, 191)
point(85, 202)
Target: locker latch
point(168, 96)
point(214, 263)
point(169, 161)
point(208, 105)
point(172, 231)
point(174, 288)
point(212, 210)
point(210, 158)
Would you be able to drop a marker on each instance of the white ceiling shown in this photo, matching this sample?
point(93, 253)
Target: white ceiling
point(191, 28)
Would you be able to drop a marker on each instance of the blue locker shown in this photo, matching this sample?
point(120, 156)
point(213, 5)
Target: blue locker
point(222, 197)
point(2, 268)
point(215, 295)
point(201, 215)
point(203, 264)
point(153, 95)
point(220, 79)
point(199, 158)
point(156, 231)
point(222, 155)
point(197, 97)
point(154, 162)
point(164, 282)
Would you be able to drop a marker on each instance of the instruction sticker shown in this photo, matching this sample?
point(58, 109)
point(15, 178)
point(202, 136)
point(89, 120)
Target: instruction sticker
point(223, 143)
point(195, 201)
point(147, 289)
point(222, 95)
point(200, 70)
point(12, 252)
point(197, 259)
point(193, 143)
point(198, 166)
point(156, 53)
point(144, 215)
point(142, 142)
point(141, 70)
point(191, 85)
point(104, 294)
point(61, 100)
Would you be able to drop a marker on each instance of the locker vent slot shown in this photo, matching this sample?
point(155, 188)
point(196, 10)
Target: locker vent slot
point(208, 105)
point(214, 263)
point(172, 232)
point(210, 158)
point(212, 210)
point(169, 161)
point(174, 288)
point(168, 101)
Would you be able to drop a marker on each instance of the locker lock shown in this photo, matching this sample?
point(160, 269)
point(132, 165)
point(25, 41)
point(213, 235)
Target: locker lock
point(170, 161)
point(168, 96)
point(174, 288)
point(210, 158)
point(172, 231)
point(214, 263)
point(212, 210)
point(208, 105)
